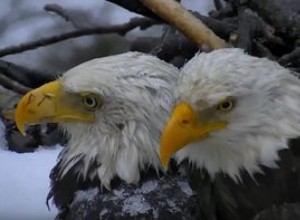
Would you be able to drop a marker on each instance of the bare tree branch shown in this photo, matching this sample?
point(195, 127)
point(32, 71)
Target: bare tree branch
point(289, 58)
point(225, 12)
point(136, 7)
point(218, 5)
point(13, 85)
point(222, 28)
point(121, 29)
point(25, 76)
point(173, 12)
point(59, 10)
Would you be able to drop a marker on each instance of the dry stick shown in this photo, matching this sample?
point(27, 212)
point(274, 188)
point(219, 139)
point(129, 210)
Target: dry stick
point(290, 57)
point(59, 10)
point(218, 5)
point(13, 85)
point(122, 29)
point(172, 12)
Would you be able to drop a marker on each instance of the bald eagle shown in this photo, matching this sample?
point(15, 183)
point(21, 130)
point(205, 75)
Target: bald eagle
point(112, 110)
point(233, 117)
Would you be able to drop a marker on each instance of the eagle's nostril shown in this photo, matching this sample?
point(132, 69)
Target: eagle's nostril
point(185, 121)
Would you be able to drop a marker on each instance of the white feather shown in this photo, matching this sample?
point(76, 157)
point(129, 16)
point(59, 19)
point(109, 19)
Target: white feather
point(137, 93)
point(266, 115)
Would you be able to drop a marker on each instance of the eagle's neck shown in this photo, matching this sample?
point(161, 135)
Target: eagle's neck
point(232, 155)
point(118, 150)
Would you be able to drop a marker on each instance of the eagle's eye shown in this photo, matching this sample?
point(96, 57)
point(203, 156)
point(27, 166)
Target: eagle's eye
point(226, 105)
point(91, 101)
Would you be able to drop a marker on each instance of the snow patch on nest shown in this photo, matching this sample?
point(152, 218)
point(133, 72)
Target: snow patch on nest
point(103, 213)
point(154, 198)
point(148, 187)
point(136, 204)
point(87, 195)
point(185, 187)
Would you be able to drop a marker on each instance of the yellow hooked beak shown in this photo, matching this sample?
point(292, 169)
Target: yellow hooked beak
point(184, 126)
point(50, 103)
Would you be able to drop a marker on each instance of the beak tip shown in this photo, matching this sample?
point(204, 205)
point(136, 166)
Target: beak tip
point(21, 129)
point(165, 165)
point(165, 168)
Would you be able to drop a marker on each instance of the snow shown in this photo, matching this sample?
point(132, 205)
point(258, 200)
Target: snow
point(136, 204)
point(86, 195)
point(185, 187)
point(149, 186)
point(24, 182)
point(153, 197)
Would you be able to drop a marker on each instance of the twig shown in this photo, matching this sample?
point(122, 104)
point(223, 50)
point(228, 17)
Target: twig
point(221, 28)
point(262, 51)
point(13, 85)
point(247, 30)
point(183, 20)
point(173, 44)
point(25, 76)
point(218, 5)
point(251, 28)
point(136, 7)
point(226, 11)
point(59, 10)
point(121, 29)
point(289, 58)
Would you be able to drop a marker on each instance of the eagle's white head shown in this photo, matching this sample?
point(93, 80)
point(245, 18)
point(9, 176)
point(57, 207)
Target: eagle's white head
point(233, 112)
point(113, 110)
